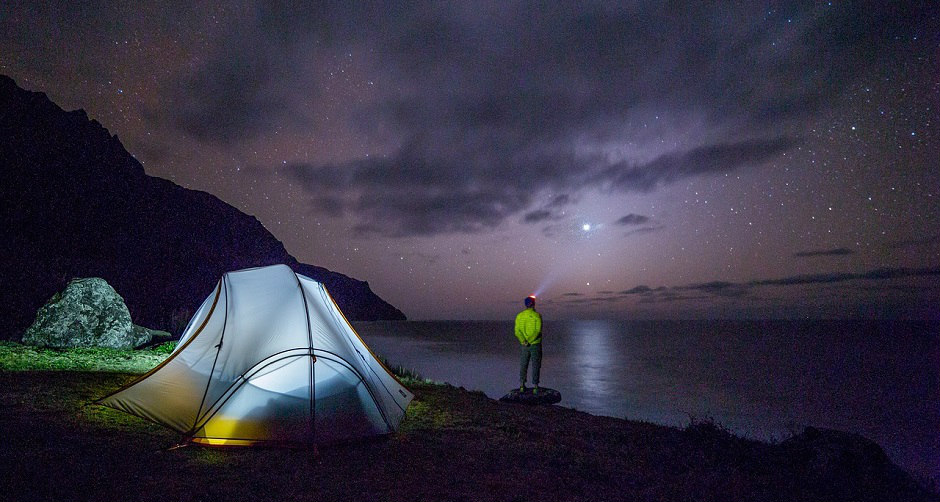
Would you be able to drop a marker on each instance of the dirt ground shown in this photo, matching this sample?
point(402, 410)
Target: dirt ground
point(453, 445)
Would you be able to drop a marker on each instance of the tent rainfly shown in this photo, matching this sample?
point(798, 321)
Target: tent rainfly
point(268, 358)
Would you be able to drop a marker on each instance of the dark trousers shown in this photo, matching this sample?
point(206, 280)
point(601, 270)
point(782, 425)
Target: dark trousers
point(533, 353)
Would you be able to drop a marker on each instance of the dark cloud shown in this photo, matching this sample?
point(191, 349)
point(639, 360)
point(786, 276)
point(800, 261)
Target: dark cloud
point(896, 273)
point(559, 201)
point(645, 230)
point(550, 211)
point(670, 296)
point(493, 106)
point(710, 159)
point(264, 65)
point(506, 103)
point(824, 252)
point(241, 88)
point(806, 279)
point(428, 214)
point(407, 195)
point(731, 290)
point(553, 230)
point(914, 243)
point(227, 106)
point(633, 219)
point(827, 278)
point(719, 288)
point(537, 216)
point(483, 198)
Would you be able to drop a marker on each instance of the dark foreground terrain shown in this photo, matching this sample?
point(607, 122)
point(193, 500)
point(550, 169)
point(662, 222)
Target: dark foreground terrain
point(453, 445)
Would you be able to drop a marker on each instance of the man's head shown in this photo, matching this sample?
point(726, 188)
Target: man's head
point(529, 301)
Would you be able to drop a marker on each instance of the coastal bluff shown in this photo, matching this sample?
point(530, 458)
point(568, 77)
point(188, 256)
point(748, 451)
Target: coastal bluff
point(75, 203)
point(453, 444)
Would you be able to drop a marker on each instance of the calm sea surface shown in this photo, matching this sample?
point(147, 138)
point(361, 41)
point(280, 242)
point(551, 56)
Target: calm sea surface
point(762, 379)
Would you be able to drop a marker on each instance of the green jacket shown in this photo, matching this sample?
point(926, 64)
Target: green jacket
point(529, 327)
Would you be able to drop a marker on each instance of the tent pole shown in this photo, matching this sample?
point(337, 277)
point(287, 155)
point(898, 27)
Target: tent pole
point(218, 350)
point(313, 361)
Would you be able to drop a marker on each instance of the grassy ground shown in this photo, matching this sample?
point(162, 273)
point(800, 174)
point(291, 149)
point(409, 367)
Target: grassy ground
point(19, 357)
point(453, 445)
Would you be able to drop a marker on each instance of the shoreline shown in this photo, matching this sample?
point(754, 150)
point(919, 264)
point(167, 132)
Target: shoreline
point(454, 444)
point(765, 381)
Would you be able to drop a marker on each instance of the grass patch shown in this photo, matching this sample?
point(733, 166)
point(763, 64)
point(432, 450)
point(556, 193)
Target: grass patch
point(18, 357)
point(164, 348)
point(422, 414)
point(406, 375)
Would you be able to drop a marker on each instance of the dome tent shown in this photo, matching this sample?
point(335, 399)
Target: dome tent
point(268, 358)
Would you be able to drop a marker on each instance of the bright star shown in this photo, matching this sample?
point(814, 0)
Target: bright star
point(586, 227)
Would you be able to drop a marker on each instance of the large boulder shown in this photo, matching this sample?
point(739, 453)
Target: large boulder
point(88, 313)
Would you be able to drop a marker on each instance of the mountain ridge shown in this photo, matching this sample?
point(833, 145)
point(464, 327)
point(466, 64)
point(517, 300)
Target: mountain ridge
point(79, 205)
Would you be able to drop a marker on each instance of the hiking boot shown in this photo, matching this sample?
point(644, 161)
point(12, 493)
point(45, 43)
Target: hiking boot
point(535, 390)
point(522, 388)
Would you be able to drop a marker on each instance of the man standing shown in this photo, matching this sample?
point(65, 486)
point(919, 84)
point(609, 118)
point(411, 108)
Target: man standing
point(529, 332)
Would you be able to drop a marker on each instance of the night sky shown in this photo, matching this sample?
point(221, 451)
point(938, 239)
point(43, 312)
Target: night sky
point(622, 161)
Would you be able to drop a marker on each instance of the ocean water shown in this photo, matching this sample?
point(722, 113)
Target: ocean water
point(761, 379)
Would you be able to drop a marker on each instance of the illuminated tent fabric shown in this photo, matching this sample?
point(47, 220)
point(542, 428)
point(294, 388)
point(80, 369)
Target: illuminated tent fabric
point(268, 358)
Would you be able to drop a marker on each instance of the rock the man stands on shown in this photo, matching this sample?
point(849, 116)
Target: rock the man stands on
point(529, 332)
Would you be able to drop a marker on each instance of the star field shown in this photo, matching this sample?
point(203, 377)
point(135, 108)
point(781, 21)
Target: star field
point(764, 160)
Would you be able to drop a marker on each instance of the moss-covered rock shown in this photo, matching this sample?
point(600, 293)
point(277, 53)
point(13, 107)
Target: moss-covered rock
point(88, 313)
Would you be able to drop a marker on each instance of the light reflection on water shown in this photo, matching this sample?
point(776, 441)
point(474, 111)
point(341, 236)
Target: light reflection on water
point(761, 379)
point(592, 358)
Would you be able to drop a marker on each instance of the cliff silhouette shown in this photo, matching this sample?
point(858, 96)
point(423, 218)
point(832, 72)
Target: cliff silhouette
point(75, 203)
